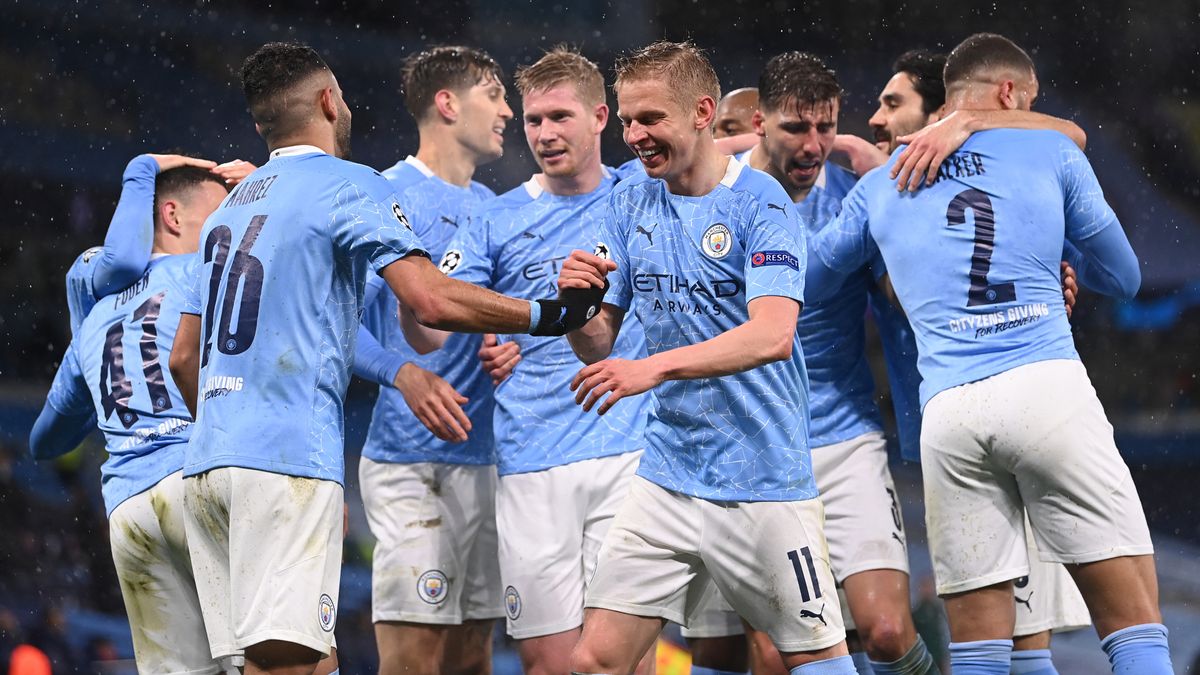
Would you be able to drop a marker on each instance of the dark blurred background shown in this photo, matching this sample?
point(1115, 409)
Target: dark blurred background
point(86, 85)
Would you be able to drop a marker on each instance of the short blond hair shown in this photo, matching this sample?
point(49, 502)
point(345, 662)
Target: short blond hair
point(563, 65)
point(682, 65)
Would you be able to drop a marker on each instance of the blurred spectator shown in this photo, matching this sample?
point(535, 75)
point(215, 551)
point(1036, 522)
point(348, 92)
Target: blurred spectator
point(930, 618)
point(50, 636)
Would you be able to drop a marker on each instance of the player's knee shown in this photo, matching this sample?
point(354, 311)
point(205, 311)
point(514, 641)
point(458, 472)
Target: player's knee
point(587, 660)
point(887, 638)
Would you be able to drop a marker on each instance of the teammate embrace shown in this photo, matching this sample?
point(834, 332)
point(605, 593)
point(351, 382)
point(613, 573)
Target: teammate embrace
point(733, 475)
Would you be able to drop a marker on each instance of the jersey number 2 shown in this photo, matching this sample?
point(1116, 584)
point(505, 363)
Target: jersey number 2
point(112, 367)
point(980, 292)
point(246, 272)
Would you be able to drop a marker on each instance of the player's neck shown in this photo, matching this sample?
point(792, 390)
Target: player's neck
point(581, 183)
point(447, 159)
point(759, 160)
point(309, 136)
point(704, 173)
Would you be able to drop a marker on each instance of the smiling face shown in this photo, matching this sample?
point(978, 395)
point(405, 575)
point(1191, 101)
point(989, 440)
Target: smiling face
point(901, 112)
point(660, 130)
point(798, 140)
point(483, 114)
point(563, 133)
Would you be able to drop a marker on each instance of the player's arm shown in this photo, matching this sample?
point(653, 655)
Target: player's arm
point(929, 147)
point(842, 248)
point(372, 361)
point(185, 359)
point(130, 237)
point(767, 337)
point(586, 273)
point(1096, 244)
point(863, 154)
point(67, 416)
point(732, 145)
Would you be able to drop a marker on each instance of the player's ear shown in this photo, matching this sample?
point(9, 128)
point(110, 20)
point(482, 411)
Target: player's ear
point(601, 116)
point(446, 103)
point(1008, 95)
point(706, 111)
point(328, 102)
point(936, 115)
point(168, 215)
point(759, 123)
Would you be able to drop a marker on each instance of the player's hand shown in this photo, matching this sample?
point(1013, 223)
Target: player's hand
point(1070, 286)
point(863, 154)
point(435, 403)
point(234, 172)
point(498, 359)
point(166, 162)
point(584, 270)
point(618, 378)
point(927, 149)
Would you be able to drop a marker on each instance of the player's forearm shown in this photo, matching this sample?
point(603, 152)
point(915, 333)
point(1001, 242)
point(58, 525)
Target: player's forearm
point(1106, 263)
point(594, 341)
point(185, 360)
point(130, 238)
point(422, 339)
point(750, 345)
point(55, 434)
point(863, 154)
point(981, 120)
point(455, 306)
point(373, 362)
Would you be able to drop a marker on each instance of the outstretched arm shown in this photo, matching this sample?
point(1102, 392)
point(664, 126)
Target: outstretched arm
point(67, 415)
point(185, 359)
point(929, 147)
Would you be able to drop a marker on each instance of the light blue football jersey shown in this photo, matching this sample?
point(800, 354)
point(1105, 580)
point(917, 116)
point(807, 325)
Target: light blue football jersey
point(80, 296)
point(437, 211)
point(975, 258)
point(285, 258)
point(116, 365)
point(688, 268)
point(515, 245)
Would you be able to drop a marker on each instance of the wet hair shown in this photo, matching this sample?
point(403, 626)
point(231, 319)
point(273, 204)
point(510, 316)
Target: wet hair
point(924, 68)
point(456, 68)
point(681, 65)
point(984, 53)
point(796, 78)
point(269, 74)
point(177, 183)
point(563, 65)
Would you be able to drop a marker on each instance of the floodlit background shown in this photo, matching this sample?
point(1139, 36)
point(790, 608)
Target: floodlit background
point(85, 86)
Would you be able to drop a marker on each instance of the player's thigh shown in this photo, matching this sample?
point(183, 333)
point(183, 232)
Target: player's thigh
point(1078, 491)
point(206, 522)
point(285, 542)
point(863, 524)
point(712, 617)
point(1047, 598)
point(425, 518)
point(150, 553)
point(651, 556)
point(482, 593)
point(973, 509)
point(607, 491)
point(613, 641)
point(540, 518)
point(771, 563)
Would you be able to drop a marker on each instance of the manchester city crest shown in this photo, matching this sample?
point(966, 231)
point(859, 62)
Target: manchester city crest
point(432, 587)
point(512, 603)
point(717, 241)
point(326, 612)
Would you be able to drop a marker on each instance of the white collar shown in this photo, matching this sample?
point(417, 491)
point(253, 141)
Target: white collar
point(533, 187)
point(156, 256)
point(732, 171)
point(419, 166)
point(821, 178)
point(293, 150)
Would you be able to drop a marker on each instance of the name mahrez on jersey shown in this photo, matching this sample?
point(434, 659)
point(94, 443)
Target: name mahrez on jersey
point(998, 322)
point(168, 427)
point(220, 385)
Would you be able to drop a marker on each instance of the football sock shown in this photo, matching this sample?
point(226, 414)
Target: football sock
point(1032, 662)
point(839, 665)
point(1140, 650)
point(916, 662)
point(981, 657)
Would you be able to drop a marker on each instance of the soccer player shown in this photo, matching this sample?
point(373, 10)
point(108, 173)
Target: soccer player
point(563, 471)
point(724, 497)
point(271, 327)
point(113, 373)
point(1011, 422)
point(735, 113)
point(429, 492)
point(102, 270)
point(1047, 599)
point(797, 122)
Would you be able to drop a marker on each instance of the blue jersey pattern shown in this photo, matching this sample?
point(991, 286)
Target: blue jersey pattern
point(80, 296)
point(437, 210)
point(116, 365)
point(688, 267)
point(285, 260)
point(515, 245)
point(975, 257)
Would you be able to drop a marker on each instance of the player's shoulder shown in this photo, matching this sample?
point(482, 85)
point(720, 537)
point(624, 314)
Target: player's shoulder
point(83, 261)
point(1019, 141)
point(403, 175)
point(634, 181)
point(839, 179)
point(481, 191)
point(758, 187)
point(510, 201)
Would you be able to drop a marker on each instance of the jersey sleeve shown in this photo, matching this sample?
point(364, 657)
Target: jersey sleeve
point(843, 246)
point(776, 251)
point(1096, 243)
point(130, 238)
point(612, 245)
point(375, 230)
point(372, 361)
point(1086, 210)
point(468, 256)
point(69, 394)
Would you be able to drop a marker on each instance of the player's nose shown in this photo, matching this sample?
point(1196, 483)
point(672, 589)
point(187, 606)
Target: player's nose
point(877, 121)
point(505, 111)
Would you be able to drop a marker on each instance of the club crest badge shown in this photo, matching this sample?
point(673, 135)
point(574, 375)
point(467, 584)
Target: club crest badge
point(717, 241)
point(326, 613)
point(512, 603)
point(432, 587)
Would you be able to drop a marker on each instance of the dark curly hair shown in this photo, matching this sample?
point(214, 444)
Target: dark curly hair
point(273, 70)
point(924, 68)
point(797, 78)
point(455, 68)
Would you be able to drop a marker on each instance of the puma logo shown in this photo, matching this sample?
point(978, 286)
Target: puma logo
point(775, 206)
point(1025, 601)
point(819, 616)
point(898, 538)
point(649, 233)
point(530, 235)
point(452, 223)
